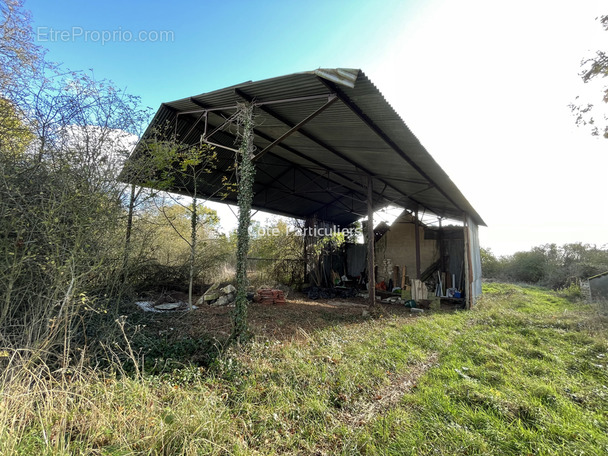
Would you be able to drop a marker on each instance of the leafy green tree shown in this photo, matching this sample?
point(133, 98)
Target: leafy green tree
point(490, 265)
point(527, 267)
point(20, 59)
point(278, 247)
point(577, 261)
point(553, 266)
point(15, 136)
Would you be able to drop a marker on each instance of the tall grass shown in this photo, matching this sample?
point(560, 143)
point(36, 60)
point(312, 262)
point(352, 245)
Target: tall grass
point(524, 373)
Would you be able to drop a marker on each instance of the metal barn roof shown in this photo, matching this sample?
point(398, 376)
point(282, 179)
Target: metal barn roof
point(318, 136)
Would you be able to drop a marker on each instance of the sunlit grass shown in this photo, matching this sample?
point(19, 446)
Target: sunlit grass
point(524, 373)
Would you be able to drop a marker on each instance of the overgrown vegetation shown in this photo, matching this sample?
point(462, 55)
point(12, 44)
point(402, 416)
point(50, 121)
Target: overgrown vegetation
point(524, 373)
point(180, 164)
point(63, 137)
point(277, 252)
point(162, 252)
point(548, 265)
point(74, 241)
point(246, 177)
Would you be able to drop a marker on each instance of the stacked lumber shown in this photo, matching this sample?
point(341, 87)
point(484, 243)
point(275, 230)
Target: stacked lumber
point(419, 290)
point(270, 296)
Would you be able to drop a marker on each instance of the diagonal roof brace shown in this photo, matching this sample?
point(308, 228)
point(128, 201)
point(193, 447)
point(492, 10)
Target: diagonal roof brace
point(370, 123)
point(254, 102)
point(325, 146)
point(350, 141)
point(332, 98)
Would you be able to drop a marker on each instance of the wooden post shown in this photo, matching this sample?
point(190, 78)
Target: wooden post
point(443, 267)
point(417, 234)
point(395, 276)
point(305, 253)
point(371, 267)
point(468, 272)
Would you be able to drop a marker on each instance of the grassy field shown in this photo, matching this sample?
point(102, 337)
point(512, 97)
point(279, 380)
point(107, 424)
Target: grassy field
point(526, 372)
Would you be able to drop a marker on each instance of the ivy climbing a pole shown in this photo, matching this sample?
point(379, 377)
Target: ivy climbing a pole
point(245, 176)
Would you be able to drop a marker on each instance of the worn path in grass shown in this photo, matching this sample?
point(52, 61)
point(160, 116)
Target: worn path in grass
point(524, 373)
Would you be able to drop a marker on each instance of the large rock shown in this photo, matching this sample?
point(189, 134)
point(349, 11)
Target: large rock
point(216, 296)
point(224, 300)
point(210, 295)
point(228, 289)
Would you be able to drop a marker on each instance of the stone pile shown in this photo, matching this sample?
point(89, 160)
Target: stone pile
point(216, 296)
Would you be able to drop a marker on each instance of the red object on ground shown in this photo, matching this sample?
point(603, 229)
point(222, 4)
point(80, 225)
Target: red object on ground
point(270, 296)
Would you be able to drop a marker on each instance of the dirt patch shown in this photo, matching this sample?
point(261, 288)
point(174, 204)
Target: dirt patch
point(292, 320)
point(388, 397)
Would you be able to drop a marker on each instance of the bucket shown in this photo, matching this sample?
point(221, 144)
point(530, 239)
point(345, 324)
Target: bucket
point(410, 303)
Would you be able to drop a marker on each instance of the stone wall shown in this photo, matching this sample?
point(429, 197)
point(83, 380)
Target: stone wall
point(399, 246)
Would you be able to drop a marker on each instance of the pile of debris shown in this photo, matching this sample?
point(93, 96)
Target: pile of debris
point(330, 293)
point(216, 296)
point(269, 296)
point(168, 301)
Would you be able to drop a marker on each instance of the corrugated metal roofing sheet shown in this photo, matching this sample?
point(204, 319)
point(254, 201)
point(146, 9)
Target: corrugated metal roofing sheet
point(322, 168)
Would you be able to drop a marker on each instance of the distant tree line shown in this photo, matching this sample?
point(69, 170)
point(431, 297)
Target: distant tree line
point(547, 265)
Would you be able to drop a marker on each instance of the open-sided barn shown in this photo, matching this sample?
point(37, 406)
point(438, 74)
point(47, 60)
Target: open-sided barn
point(329, 148)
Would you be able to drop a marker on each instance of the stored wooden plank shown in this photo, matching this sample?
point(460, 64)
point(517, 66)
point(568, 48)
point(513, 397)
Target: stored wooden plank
point(371, 263)
point(395, 276)
point(417, 234)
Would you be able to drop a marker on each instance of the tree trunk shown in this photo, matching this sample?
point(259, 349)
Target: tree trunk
point(371, 261)
point(194, 223)
point(125, 261)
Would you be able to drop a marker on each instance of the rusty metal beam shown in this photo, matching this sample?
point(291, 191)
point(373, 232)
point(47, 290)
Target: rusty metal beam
point(371, 238)
point(331, 100)
point(325, 146)
point(417, 237)
point(315, 162)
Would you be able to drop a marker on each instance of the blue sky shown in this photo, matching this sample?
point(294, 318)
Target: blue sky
point(485, 85)
point(212, 44)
